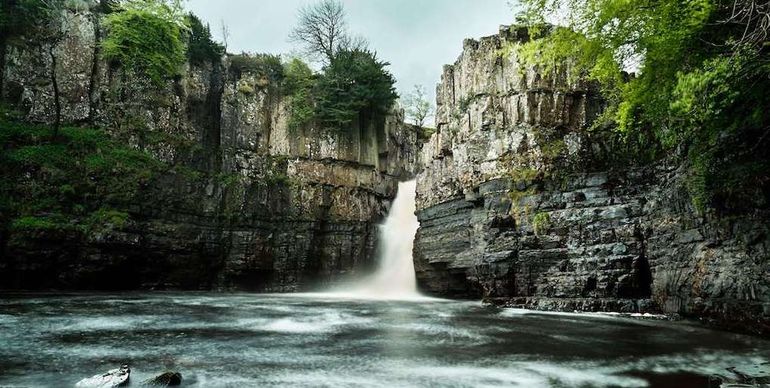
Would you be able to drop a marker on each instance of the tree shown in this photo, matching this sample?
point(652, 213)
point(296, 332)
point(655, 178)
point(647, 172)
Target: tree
point(702, 67)
point(225, 30)
point(417, 106)
point(201, 48)
point(354, 85)
point(322, 30)
point(298, 86)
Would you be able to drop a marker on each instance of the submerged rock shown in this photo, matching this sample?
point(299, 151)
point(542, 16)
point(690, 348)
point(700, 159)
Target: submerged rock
point(166, 379)
point(752, 376)
point(112, 378)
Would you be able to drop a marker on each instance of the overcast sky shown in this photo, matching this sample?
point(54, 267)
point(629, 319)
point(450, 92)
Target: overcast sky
point(416, 36)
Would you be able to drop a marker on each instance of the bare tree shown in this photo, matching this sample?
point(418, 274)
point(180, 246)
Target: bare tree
point(417, 106)
point(322, 30)
point(225, 32)
point(754, 16)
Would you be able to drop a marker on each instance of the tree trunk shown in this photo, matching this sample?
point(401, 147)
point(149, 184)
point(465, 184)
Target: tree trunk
point(2, 65)
point(6, 6)
point(56, 97)
point(93, 83)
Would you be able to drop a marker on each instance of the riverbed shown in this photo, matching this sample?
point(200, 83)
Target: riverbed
point(235, 340)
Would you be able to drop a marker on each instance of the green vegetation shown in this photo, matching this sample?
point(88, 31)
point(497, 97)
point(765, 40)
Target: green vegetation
point(465, 103)
point(107, 219)
point(33, 224)
point(72, 182)
point(702, 71)
point(265, 66)
point(201, 48)
point(425, 133)
point(524, 175)
point(541, 223)
point(298, 86)
point(23, 17)
point(355, 85)
point(146, 36)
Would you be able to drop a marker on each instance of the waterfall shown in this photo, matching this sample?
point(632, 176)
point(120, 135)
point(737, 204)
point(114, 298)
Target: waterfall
point(394, 277)
point(395, 274)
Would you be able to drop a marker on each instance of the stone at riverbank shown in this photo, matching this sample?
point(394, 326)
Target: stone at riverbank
point(114, 378)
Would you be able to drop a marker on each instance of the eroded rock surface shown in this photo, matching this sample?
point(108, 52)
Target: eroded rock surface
point(281, 210)
point(517, 206)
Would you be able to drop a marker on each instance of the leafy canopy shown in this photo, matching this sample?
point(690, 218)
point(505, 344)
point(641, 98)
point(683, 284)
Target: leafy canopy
point(201, 46)
point(146, 36)
point(701, 69)
point(354, 85)
point(298, 86)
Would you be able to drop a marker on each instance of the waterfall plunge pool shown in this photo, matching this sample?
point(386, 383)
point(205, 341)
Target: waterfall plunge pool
point(245, 340)
point(375, 332)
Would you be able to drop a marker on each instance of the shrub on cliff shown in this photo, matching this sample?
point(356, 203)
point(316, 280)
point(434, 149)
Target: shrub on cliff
point(201, 47)
point(68, 183)
point(18, 17)
point(702, 71)
point(267, 66)
point(355, 85)
point(146, 36)
point(298, 87)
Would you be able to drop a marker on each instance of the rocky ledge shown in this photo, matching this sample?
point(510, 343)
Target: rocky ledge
point(251, 203)
point(517, 206)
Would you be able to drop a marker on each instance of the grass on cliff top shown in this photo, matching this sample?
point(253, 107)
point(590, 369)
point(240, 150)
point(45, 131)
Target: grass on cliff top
point(79, 180)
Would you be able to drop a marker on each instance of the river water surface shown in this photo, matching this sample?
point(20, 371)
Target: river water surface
point(320, 340)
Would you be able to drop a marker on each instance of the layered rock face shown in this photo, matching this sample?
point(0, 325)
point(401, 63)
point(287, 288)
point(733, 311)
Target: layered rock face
point(516, 206)
point(277, 209)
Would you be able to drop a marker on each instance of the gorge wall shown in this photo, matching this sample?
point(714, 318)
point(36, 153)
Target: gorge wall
point(253, 204)
point(517, 206)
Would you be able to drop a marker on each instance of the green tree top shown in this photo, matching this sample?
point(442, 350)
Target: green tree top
point(355, 84)
point(701, 68)
point(146, 36)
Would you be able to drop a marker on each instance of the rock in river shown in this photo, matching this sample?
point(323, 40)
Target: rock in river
point(167, 379)
point(113, 378)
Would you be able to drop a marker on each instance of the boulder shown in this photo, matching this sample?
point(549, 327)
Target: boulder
point(166, 379)
point(113, 378)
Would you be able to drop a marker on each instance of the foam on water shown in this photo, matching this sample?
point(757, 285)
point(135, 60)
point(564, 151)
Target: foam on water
point(394, 278)
point(314, 340)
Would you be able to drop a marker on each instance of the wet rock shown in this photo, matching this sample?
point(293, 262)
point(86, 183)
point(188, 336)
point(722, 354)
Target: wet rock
point(512, 153)
point(166, 379)
point(113, 378)
point(274, 209)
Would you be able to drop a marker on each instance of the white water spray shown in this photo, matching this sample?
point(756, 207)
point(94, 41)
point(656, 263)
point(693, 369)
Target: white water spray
point(395, 275)
point(394, 278)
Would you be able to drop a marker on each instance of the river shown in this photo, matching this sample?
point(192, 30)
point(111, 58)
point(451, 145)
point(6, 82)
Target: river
point(235, 340)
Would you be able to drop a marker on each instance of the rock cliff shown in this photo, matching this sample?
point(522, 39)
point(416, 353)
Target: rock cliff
point(262, 206)
point(518, 206)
